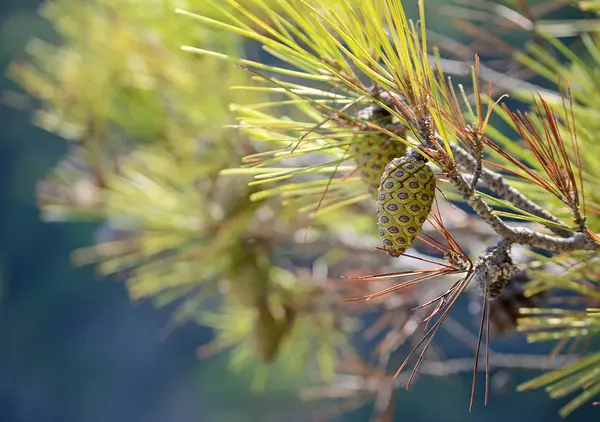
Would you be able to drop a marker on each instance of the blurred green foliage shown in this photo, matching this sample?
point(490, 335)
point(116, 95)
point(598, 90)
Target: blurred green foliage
point(145, 124)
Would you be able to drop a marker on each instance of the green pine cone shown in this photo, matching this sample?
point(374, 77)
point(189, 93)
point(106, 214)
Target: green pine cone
point(269, 332)
point(404, 200)
point(372, 154)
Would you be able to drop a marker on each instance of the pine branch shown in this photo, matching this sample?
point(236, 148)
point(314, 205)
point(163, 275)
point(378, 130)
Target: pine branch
point(519, 235)
point(352, 383)
point(500, 187)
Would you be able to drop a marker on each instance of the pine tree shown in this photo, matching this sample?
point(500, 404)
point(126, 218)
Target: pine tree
point(208, 214)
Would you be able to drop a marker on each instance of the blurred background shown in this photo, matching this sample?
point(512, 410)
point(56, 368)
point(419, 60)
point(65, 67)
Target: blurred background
point(75, 348)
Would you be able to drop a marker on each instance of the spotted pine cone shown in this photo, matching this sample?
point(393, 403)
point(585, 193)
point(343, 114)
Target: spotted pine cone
point(372, 154)
point(404, 200)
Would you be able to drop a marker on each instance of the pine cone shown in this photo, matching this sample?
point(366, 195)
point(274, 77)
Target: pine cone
point(404, 200)
point(269, 332)
point(372, 155)
point(504, 310)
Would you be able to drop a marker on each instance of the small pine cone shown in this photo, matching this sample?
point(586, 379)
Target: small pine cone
point(372, 155)
point(495, 270)
point(404, 200)
point(504, 310)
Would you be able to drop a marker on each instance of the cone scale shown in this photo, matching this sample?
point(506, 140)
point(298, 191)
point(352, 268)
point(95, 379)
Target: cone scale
point(404, 199)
